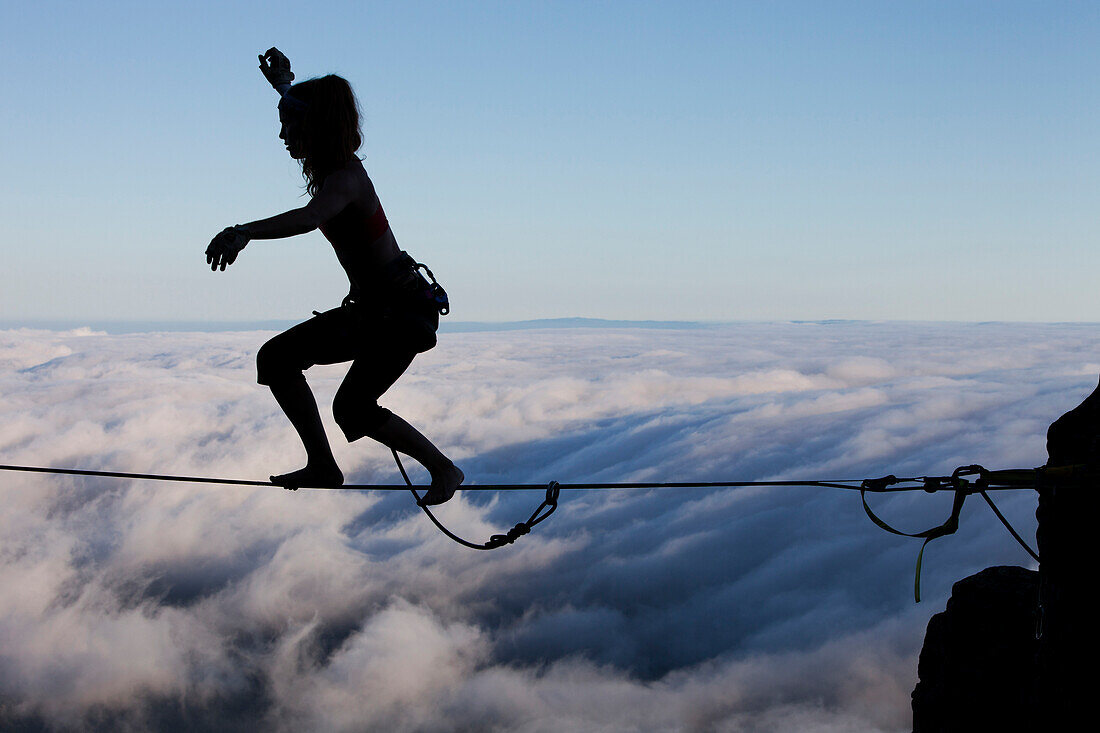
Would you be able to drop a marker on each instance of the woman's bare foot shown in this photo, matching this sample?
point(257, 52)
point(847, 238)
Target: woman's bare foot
point(311, 475)
point(444, 484)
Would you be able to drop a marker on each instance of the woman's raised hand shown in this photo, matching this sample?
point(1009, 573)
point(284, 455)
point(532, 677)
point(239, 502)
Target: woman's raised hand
point(276, 68)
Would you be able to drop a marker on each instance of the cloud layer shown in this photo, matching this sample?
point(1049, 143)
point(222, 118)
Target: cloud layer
point(132, 605)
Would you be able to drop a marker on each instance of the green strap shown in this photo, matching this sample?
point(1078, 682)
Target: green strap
point(948, 527)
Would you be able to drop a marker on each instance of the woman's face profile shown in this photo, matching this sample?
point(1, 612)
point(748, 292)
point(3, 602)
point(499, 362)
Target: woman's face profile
point(290, 134)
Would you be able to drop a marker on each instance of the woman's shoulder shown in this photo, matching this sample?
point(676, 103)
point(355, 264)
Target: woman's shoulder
point(352, 183)
point(350, 175)
point(356, 165)
point(359, 171)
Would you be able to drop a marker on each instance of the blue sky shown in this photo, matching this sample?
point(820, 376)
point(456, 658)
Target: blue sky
point(697, 161)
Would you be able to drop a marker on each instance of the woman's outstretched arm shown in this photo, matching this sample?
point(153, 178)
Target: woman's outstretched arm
point(338, 190)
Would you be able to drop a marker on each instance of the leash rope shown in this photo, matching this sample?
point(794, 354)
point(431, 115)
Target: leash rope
point(550, 503)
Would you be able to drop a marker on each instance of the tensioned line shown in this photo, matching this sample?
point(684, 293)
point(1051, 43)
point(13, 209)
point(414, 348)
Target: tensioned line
point(964, 481)
point(851, 484)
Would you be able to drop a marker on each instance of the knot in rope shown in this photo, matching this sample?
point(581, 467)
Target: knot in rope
point(499, 540)
point(879, 484)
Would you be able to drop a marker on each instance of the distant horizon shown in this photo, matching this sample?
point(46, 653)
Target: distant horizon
point(123, 326)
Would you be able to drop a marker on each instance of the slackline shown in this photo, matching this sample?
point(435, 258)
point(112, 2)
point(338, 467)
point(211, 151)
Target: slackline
point(851, 484)
point(965, 481)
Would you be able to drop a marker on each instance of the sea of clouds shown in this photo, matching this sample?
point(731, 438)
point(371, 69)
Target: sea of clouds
point(140, 605)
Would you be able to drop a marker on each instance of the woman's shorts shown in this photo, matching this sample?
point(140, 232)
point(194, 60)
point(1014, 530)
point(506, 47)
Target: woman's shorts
point(379, 341)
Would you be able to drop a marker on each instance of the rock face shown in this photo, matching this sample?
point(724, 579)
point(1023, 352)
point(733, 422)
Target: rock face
point(1068, 517)
point(977, 669)
point(982, 667)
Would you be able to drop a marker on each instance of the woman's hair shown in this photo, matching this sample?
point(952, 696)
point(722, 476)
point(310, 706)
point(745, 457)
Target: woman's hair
point(328, 127)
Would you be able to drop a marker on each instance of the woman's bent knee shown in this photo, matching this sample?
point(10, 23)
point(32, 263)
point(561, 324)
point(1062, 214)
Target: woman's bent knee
point(274, 364)
point(358, 420)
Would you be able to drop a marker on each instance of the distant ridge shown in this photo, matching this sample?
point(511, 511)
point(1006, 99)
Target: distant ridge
point(120, 327)
point(445, 326)
point(468, 326)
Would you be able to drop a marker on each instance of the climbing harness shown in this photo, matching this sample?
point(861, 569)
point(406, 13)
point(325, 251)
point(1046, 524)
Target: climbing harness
point(403, 274)
point(964, 481)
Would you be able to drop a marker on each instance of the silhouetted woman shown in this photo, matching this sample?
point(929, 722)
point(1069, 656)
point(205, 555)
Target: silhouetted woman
point(389, 316)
